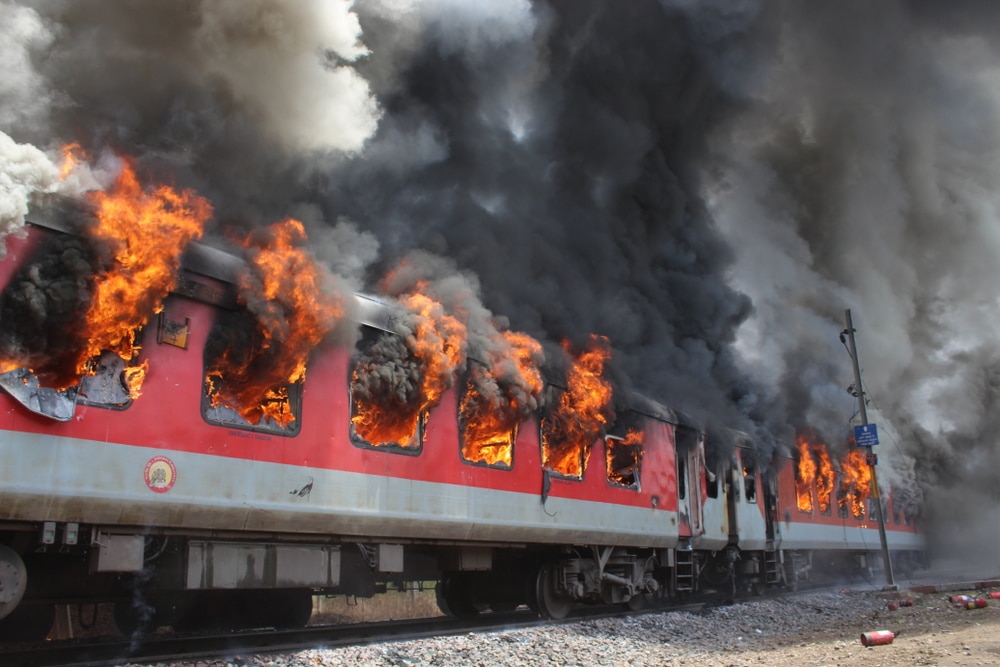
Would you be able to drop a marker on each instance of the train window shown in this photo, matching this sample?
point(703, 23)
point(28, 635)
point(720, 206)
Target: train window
point(487, 422)
point(895, 514)
point(711, 483)
point(109, 385)
point(624, 459)
point(388, 398)
point(237, 390)
point(566, 443)
point(681, 476)
point(279, 412)
point(872, 509)
point(750, 484)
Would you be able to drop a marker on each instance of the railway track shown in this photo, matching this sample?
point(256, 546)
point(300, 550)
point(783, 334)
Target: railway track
point(106, 652)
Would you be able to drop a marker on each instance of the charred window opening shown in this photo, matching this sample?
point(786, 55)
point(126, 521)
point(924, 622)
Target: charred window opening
point(855, 485)
point(487, 424)
point(111, 384)
point(624, 458)
point(681, 476)
point(842, 503)
point(234, 394)
point(579, 413)
point(895, 514)
point(44, 337)
point(750, 481)
point(805, 478)
point(566, 441)
point(824, 482)
point(711, 483)
point(386, 400)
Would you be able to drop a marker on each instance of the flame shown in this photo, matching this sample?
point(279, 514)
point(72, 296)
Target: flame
point(806, 475)
point(583, 410)
point(133, 377)
point(824, 478)
point(396, 382)
point(72, 156)
point(292, 314)
point(499, 397)
point(146, 230)
point(856, 484)
point(624, 457)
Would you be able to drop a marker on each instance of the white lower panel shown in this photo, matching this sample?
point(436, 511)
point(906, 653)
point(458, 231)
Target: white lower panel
point(98, 483)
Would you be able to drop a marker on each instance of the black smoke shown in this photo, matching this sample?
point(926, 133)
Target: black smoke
point(708, 184)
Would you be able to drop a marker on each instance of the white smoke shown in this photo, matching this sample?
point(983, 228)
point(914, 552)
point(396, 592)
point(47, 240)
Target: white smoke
point(24, 93)
point(24, 172)
point(286, 66)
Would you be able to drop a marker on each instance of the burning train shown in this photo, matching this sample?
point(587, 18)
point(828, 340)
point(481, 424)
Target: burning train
point(187, 437)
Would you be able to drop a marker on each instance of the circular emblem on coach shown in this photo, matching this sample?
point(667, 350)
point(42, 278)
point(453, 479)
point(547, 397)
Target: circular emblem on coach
point(160, 474)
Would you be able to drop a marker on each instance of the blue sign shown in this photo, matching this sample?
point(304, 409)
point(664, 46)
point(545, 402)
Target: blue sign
point(866, 435)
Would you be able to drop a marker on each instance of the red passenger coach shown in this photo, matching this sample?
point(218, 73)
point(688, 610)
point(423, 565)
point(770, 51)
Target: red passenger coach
point(160, 499)
point(192, 473)
point(828, 524)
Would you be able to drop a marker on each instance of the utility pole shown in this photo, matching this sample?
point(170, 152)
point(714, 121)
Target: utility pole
point(868, 450)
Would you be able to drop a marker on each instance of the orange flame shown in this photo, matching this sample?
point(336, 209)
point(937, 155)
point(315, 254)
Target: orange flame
point(72, 156)
point(624, 457)
point(568, 434)
point(824, 478)
point(146, 230)
point(856, 485)
point(284, 293)
point(806, 475)
point(498, 398)
point(389, 409)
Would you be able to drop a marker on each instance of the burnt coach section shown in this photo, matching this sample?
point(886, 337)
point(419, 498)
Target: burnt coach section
point(166, 482)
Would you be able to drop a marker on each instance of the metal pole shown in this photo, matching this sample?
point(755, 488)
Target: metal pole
point(864, 420)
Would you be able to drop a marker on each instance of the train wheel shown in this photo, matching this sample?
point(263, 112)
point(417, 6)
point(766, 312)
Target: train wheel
point(551, 602)
point(13, 580)
point(454, 597)
point(644, 598)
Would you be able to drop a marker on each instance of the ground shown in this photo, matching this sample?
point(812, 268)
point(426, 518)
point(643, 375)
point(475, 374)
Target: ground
point(931, 632)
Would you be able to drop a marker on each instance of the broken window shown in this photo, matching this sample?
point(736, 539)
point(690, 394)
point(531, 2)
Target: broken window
point(624, 458)
point(487, 422)
point(235, 393)
point(386, 395)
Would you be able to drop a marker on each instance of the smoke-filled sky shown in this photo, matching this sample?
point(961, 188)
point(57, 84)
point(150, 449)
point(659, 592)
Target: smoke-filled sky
point(709, 184)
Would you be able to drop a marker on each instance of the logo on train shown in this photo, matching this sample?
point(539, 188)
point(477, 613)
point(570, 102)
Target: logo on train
point(160, 474)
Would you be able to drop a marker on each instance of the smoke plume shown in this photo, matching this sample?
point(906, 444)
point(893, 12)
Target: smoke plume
point(710, 185)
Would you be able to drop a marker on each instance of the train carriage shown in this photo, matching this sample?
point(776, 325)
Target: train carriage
point(181, 508)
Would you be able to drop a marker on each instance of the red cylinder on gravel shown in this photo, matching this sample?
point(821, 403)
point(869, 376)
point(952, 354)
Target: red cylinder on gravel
point(977, 603)
point(877, 637)
point(906, 603)
point(995, 595)
point(892, 606)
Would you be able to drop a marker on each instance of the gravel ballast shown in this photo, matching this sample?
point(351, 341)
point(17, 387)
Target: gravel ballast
point(814, 629)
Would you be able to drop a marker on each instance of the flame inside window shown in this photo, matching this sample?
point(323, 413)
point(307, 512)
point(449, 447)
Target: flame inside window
point(582, 411)
point(386, 407)
point(624, 458)
point(805, 476)
point(856, 484)
point(236, 392)
point(487, 431)
point(824, 479)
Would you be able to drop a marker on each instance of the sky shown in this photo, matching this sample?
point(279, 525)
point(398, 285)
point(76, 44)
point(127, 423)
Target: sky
point(709, 184)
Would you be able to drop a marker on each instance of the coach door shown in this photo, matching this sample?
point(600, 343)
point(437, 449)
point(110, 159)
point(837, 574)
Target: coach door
point(690, 460)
